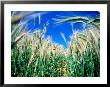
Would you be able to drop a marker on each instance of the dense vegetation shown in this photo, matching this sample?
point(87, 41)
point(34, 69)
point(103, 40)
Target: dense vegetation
point(34, 55)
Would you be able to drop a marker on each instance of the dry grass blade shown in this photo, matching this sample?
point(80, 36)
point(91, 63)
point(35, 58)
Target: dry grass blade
point(20, 37)
point(63, 36)
point(70, 19)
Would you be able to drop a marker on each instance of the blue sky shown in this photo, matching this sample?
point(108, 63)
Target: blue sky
point(54, 29)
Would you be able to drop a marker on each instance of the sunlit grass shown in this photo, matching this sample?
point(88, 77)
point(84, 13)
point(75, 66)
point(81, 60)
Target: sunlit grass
point(33, 55)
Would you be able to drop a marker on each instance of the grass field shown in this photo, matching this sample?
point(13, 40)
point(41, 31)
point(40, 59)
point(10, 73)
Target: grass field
point(34, 55)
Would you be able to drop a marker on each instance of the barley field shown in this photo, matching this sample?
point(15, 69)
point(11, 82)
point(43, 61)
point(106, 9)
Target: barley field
point(35, 53)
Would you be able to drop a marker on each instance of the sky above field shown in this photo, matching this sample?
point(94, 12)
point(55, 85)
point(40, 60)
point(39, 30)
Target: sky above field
point(54, 29)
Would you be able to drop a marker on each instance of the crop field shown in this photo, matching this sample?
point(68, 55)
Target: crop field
point(55, 44)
